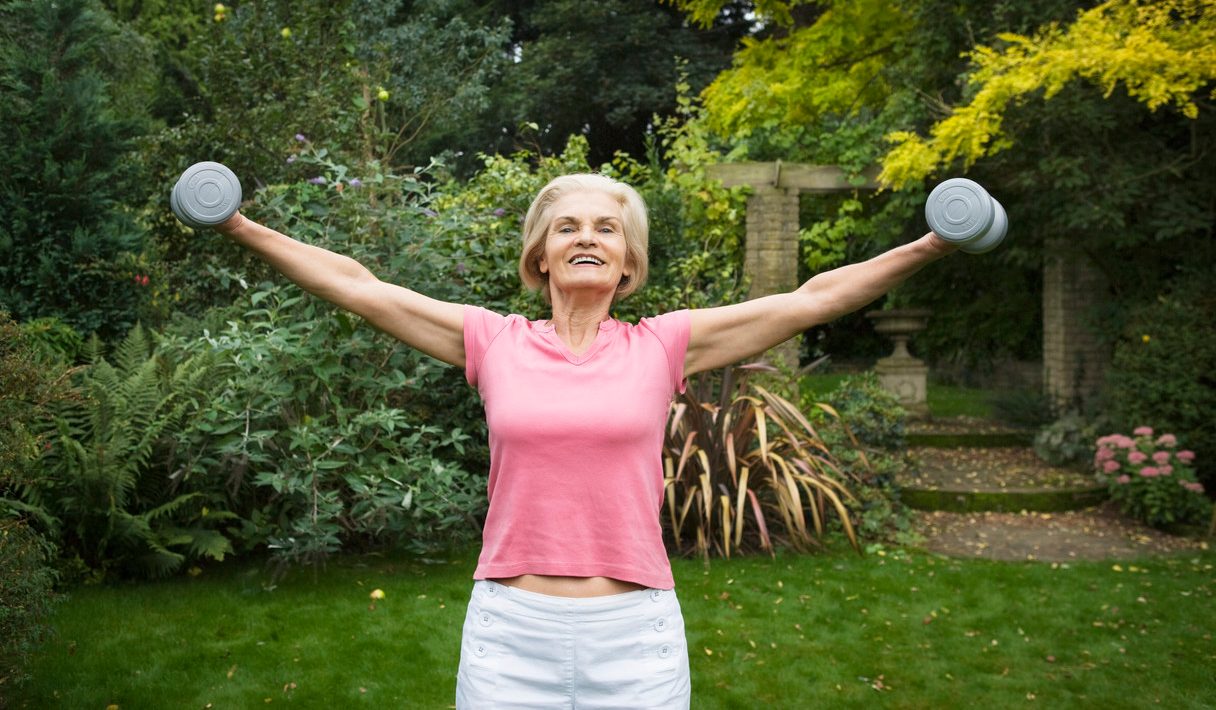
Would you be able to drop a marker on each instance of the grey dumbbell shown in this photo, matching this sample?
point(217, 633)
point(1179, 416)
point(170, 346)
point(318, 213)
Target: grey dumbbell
point(963, 213)
point(205, 195)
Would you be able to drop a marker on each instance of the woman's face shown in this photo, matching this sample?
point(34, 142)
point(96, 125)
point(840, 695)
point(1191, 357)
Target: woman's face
point(585, 243)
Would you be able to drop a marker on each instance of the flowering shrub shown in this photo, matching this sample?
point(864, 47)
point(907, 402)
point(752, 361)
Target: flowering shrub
point(1149, 478)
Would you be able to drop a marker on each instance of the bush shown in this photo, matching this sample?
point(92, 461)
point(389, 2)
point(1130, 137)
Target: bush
point(873, 414)
point(26, 595)
point(1068, 441)
point(29, 386)
point(1150, 479)
point(1163, 368)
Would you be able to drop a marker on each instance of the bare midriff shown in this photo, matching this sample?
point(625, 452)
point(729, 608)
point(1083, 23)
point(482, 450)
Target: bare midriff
point(570, 586)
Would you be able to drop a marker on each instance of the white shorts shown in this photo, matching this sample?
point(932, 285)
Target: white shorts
point(527, 650)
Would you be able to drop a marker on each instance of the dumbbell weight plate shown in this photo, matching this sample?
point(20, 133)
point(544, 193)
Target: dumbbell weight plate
point(207, 194)
point(995, 234)
point(177, 210)
point(958, 210)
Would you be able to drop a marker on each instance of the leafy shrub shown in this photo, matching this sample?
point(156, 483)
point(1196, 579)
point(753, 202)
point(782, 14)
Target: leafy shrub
point(1150, 479)
point(99, 478)
point(873, 414)
point(747, 471)
point(29, 387)
point(26, 595)
point(1068, 441)
point(326, 436)
point(1163, 366)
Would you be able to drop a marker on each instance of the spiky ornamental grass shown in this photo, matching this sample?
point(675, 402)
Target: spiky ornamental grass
point(749, 471)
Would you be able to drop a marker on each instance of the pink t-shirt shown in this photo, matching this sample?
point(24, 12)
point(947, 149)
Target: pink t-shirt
point(576, 470)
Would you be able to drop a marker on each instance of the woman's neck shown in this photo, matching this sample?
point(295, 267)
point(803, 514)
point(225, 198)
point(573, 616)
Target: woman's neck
point(577, 327)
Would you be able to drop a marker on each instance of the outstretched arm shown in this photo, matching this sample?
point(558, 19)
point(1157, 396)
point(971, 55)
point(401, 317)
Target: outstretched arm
point(434, 327)
point(727, 334)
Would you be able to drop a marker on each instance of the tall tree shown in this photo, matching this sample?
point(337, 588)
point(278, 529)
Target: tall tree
point(71, 113)
point(602, 70)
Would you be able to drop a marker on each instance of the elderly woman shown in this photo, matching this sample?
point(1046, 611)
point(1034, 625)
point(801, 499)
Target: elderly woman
point(573, 603)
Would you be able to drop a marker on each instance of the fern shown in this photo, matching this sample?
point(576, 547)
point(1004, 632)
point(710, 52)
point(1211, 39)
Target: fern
point(114, 509)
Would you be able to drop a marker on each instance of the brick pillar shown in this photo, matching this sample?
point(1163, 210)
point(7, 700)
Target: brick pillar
point(1074, 359)
point(771, 260)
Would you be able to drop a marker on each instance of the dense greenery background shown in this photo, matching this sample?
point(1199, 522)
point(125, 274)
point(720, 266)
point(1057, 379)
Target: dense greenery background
point(242, 415)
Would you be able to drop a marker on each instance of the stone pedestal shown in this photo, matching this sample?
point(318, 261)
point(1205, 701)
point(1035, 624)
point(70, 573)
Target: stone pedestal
point(899, 373)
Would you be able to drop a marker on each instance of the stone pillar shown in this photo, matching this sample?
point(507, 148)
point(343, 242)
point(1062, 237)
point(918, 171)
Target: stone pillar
point(1074, 358)
point(771, 257)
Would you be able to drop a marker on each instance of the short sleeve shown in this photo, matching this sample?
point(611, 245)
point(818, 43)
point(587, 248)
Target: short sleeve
point(672, 330)
point(480, 328)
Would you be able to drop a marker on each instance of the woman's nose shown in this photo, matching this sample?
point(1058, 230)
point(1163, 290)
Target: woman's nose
point(586, 236)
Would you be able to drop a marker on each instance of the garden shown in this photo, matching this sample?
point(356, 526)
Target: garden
point(217, 490)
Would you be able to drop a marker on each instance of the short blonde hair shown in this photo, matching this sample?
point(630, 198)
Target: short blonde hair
point(635, 226)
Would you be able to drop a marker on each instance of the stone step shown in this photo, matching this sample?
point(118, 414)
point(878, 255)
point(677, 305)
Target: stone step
point(995, 479)
point(956, 432)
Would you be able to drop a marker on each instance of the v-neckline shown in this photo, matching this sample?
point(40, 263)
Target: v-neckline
point(549, 331)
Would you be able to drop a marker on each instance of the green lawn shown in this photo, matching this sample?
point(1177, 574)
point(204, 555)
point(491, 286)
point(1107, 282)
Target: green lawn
point(898, 630)
point(942, 400)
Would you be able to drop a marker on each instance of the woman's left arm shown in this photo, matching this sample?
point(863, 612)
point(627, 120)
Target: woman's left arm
point(727, 334)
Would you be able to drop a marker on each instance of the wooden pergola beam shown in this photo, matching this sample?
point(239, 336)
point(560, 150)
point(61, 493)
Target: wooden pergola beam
point(793, 176)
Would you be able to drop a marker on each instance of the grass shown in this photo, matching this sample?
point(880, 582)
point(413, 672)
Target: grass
point(942, 400)
point(894, 629)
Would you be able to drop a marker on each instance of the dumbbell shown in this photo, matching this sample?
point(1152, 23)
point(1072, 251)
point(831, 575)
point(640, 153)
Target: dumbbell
point(963, 213)
point(205, 195)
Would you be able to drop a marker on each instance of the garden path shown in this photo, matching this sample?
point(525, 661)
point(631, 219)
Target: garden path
point(975, 467)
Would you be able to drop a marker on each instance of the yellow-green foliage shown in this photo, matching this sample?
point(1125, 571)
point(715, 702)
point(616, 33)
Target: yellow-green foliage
point(833, 66)
point(1163, 52)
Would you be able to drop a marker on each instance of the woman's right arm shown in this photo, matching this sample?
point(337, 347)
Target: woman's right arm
point(434, 327)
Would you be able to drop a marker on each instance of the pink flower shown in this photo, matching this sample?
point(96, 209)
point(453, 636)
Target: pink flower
point(1137, 457)
point(1167, 440)
point(1161, 457)
point(1149, 472)
point(1166, 470)
point(1186, 456)
point(1104, 454)
point(1196, 487)
point(1124, 479)
point(1110, 466)
point(1125, 442)
point(1142, 431)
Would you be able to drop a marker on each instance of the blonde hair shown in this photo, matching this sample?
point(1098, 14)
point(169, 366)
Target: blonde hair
point(634, 225)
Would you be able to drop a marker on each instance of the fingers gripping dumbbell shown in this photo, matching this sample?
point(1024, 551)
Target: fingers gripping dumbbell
point(963, 213)
point(205, 195)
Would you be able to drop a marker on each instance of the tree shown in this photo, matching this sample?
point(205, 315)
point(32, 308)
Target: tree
point(1162, 53)
point(601, 70)
point(1126, 184)
point(68, 124)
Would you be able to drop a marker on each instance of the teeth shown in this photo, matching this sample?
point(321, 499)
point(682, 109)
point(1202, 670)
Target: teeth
point(586, 260)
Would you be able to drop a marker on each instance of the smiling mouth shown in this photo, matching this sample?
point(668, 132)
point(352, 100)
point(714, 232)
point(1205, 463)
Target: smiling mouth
point(584, 259)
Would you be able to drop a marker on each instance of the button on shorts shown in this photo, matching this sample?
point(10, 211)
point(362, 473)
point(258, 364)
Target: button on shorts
point(527, 650)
